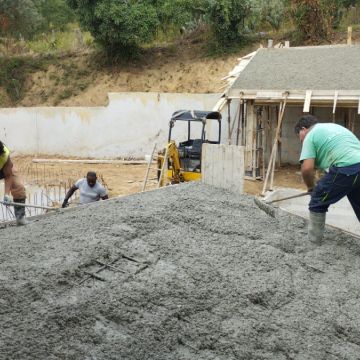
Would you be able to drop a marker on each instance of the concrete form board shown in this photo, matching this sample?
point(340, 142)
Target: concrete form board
point(223, 166)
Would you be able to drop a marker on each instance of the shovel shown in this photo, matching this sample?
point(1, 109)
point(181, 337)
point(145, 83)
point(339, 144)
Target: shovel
point(270, 210)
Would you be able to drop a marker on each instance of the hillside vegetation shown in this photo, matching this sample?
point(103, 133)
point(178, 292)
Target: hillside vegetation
point(70, 52)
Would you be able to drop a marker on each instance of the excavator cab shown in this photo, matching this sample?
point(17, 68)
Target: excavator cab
point(188, 130)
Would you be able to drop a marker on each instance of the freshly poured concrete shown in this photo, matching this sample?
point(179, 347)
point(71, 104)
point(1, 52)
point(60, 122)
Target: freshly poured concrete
point(218, 279)
point(340, 215)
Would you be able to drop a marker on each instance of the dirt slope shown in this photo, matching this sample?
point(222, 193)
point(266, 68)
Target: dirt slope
point(223, 281)
point(81, 80)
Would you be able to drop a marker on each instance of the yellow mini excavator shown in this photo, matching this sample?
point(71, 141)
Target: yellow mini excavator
point(184, 160)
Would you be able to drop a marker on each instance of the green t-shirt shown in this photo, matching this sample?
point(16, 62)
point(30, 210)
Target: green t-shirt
point(331, 145)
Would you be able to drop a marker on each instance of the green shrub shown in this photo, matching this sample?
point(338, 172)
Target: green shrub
point(119, 26)
point(227, 20)
point(315, 19)
point(14, 72)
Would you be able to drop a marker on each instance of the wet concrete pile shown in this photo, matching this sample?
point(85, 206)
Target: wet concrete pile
point(196, 273)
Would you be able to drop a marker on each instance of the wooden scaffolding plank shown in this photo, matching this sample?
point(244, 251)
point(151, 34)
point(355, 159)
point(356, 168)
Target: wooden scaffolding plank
point(148, 168)
point(307, 101)
point(336, 95)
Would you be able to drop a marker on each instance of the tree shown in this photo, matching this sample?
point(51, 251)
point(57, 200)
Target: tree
point(56, 14)
point(121, 26)
point(181, 13)
point(227, 19)
point(272, 12)
point(25, 18)
point(316, 19)
point(19, 18)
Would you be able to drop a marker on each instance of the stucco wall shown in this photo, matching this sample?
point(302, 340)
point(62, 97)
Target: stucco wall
point(128, 127)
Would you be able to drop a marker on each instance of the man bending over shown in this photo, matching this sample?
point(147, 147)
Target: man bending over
point(336, 150)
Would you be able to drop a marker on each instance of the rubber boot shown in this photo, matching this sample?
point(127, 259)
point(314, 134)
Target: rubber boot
point(316, 227)
point(20, 212)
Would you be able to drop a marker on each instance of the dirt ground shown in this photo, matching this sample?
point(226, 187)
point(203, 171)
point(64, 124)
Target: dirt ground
point(216, 278)
point(128, 179)
point(119, 179)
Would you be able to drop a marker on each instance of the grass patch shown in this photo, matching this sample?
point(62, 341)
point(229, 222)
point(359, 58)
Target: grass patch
point(14, 71)
point(214, 49)
point(61, 41)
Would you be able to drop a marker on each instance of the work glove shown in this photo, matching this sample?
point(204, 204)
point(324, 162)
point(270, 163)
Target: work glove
point(65, 204)
point(7, 199)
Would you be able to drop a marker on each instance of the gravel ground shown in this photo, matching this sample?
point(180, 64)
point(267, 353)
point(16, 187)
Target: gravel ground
point(216, 279)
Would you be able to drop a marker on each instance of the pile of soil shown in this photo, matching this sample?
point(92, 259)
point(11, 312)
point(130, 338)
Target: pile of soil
point(215, 278)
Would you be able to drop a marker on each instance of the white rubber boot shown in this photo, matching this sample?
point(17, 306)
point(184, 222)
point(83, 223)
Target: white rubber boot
point(316, 227)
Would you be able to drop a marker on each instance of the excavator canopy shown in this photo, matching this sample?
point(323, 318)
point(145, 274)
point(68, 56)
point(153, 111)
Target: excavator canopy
point(198, 116)
point(195, 115)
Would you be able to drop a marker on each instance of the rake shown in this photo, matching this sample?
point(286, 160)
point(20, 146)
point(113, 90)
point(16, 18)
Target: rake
point(270, 210)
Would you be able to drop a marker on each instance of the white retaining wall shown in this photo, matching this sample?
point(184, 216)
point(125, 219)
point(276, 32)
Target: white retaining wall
point(128, 127)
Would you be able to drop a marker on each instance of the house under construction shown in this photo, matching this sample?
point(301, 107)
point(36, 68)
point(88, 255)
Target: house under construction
point(274, 86)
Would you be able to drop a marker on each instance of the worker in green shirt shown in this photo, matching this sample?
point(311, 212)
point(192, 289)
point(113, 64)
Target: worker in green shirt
point(336, 150)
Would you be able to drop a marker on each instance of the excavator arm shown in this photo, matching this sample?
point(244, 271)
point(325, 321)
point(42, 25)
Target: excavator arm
point(173, 156)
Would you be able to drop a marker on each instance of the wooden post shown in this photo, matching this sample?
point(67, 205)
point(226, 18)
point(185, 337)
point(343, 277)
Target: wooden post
point(277, 139)
point(279, 147)
point(244, 120)
point(307, 101)
point(267, 136)
point(351, 120)
point(249, 136)
point(271, 166)
point(254, 147)
point(349, 35)
point(240, 118)
point(148, 168)
point(260, 143)
point(229, 121)
point(236, 116)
